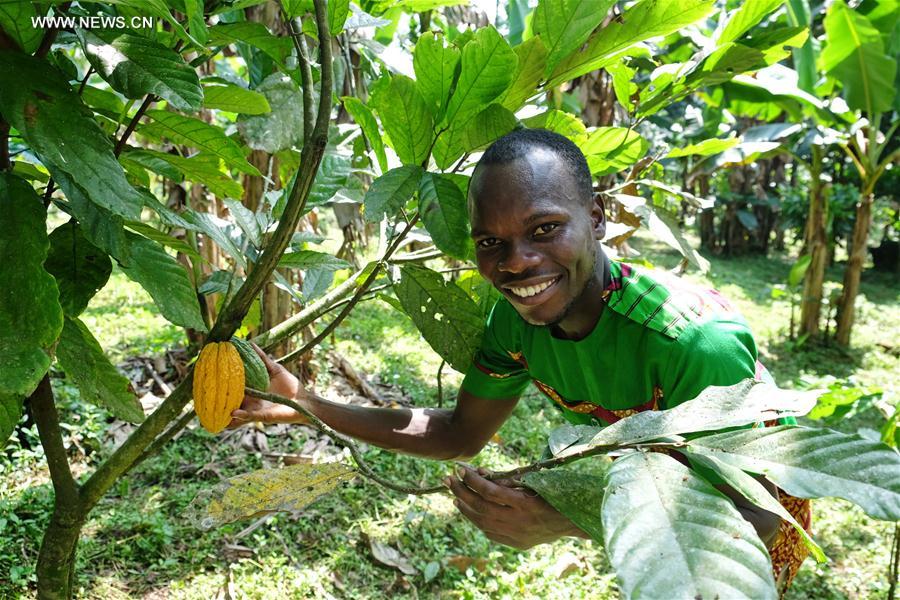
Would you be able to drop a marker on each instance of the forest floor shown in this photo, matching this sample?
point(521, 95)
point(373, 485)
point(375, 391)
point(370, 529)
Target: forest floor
point(138, 543)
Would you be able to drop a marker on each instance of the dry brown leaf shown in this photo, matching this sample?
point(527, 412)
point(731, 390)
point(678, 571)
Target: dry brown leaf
point(462, 563)
point(391, 557)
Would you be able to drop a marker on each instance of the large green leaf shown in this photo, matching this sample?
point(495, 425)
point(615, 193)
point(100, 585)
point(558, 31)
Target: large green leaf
point(482, 129)
point(10, 413)
point(443, 209)
point(612, 149)
point(717, 407)
point(800, 15)
point(330, 178)
point(574, 494)
point(338, 11)
point(255, 34)
point(644, 20)
point(363, 116)
point(281, 128)
point(136, 66)
point(198, 134)
point(488, 66)
point(390, 192)
point(15, 20)
point(79, 267)
point(448, 319)
point(84, 362)
point(854, 54)
point(62, 132)
point(743, 18)
point(234, 98)
point(200, 168)
point(565, 25)
point(704, 148)
point(670, 534)
point(164, 239)
point(435, 64)
point(268, 490)
point(165, 280)
point(558, 121)
point(754, 491)
point(310, 259)
point(30, 314)
point(532, 55)
point(406, 119)
point(812, 463)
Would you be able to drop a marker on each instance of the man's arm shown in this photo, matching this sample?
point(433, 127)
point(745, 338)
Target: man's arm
point(442, 434)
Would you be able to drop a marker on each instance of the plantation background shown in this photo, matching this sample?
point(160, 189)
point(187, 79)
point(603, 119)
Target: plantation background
point(750, 147)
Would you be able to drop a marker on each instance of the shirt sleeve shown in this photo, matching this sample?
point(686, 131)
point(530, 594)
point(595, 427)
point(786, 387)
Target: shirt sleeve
point(494, 373)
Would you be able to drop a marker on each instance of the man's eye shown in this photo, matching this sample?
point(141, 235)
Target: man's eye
point(545, 228)
point(487, 243)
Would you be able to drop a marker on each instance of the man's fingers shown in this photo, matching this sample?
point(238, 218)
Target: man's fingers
point(489, 490)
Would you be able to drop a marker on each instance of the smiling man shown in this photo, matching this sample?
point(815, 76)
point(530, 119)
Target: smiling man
point(600, 339)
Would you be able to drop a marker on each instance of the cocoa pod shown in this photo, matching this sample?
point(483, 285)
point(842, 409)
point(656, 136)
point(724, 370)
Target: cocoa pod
point(255, 373)
point(218, 385)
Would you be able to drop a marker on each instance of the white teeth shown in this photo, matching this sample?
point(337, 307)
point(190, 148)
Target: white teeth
point(526, 292)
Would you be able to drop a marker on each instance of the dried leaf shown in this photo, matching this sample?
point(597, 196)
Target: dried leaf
point(391, 557)
point(267, 490)
point(462, 563)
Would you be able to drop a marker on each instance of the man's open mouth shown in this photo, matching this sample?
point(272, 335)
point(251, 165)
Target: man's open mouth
point(531, 292)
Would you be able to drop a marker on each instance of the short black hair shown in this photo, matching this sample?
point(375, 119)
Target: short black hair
point(519, 143)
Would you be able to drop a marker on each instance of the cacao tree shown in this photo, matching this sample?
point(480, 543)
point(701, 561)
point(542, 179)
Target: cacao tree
point(101, 127)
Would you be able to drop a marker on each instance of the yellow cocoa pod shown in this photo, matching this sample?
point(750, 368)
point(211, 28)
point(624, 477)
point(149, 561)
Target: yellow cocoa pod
point(218, 385)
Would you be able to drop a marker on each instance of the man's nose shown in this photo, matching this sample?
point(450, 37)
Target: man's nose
point(518, 258)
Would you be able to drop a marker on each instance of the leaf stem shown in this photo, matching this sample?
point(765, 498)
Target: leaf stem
point(150, 99)
point(5, 163)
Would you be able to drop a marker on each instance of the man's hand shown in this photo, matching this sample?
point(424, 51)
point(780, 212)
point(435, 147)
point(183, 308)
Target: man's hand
point(509, 514)
point(281, 382)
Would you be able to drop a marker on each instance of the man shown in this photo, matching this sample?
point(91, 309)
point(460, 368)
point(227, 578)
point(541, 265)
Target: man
point(599, 338)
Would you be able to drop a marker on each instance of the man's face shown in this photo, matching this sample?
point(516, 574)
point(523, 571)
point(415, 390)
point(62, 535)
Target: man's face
point(535, 236)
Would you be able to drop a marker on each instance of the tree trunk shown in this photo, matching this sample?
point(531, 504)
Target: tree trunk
point(56, 559)
point(853, 272)
point(816, 245)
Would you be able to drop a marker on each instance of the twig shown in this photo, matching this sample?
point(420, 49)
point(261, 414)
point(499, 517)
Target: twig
point(50, 36)
point(150, 99)
point(440, 384)
point(4, 145)
point(47, 419)
point(894, 569)
point(305, 71)
point(165, 438)
point(85, 80)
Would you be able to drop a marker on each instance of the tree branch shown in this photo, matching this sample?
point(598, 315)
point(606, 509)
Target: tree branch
point(165, 438)
point(150, 99)
point(306, 82)
point(47, 419)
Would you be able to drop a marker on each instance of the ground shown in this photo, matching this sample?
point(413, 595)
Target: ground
point(138, 544)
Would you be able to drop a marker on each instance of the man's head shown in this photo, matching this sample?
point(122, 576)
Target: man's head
point(535, 222)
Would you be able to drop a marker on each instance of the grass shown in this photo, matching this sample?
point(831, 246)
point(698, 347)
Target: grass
point(138, 544)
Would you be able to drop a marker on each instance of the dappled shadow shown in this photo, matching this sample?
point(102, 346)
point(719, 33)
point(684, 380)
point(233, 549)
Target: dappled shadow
point(787, 363)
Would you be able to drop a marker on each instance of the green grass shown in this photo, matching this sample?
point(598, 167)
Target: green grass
point(139, 544)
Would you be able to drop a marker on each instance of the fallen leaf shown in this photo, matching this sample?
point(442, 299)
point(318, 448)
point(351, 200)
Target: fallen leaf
point(391, 557)
point(462, 563)
point(564, 566)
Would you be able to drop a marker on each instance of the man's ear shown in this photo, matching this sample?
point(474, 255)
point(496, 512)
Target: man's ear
point(598, 216)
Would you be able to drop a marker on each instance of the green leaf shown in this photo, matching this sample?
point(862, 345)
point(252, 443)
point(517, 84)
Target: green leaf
point(288, 489)
point(10, 412)
point(574, 494)
point(165, 280)
point(488, 66)
point(234, 98)
point(255, 34)
point(15, 20)
point(565, 25)
point(282, 128)
point(196, 23)
point(390, 192)
point(406, 119)
point(310, 259)
point(201, 135)
point(717, 407)
point(168, 241)
point(84, 362)
point(812, 463)
point(490, 124)
point(330, 178)
point(448, 319)
point(338, 11)
point(800, 15)
point(435, 64)
point(612, 149)
point(642, 21)
point(30, 314)
point(798, 270)
point(222, 233)
point(854, 54)
point(79, 267)
point(742, 19)
point(136, 66)
point(658, 512)
point(443, 209)
point(704, 148)
point(532, 55)
point(102, 100)
point(558, 121)
point(754, 491)
point(664, 226)
point(563, 438)
point(623, 86)
point(62, 132)
point(200, 168)
point(363, 116)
